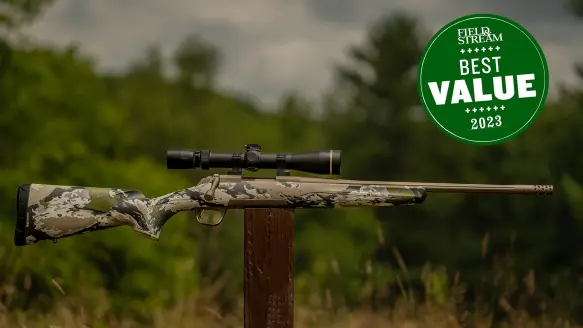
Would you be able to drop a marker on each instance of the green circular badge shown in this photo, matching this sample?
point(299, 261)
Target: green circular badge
point(483, 79)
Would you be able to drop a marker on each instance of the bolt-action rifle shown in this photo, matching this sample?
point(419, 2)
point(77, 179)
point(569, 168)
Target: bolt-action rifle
point(52, 212)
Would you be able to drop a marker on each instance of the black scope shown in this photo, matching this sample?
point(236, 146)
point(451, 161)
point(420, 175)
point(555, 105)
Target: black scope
point(318, 162)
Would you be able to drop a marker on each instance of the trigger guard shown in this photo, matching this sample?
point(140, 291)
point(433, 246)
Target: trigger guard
point(208, 219)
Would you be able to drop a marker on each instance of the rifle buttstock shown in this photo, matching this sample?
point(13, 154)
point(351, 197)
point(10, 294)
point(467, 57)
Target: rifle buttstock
point(21, 205)
point(49, 212)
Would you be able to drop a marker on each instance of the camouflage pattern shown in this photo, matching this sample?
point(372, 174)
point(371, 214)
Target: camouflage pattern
point(52, 212)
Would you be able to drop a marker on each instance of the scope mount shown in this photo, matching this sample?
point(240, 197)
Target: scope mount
point(252, 155)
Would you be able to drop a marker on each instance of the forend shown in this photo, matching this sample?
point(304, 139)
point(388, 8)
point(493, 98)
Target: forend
point(317, 162)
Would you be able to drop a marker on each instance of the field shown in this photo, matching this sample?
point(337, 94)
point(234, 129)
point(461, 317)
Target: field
point(457, 260)
point(411, 309)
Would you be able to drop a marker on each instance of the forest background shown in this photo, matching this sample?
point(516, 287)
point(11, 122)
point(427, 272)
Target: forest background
point(458, 260)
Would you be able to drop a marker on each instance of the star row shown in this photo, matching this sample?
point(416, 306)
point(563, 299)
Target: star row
point(481, 109)
point(483, 49)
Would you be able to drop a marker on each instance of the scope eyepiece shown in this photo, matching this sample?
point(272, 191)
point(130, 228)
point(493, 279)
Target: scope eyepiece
point(318, 162)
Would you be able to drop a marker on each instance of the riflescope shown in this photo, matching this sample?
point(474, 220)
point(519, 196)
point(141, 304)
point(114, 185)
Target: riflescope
point(318, 162)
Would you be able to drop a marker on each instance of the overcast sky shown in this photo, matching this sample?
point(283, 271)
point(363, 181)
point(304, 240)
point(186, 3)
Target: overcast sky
point(272, 46)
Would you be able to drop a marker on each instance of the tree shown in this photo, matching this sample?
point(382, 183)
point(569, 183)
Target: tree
point(377, 93)
point(197, 62)
point(576, 7)
point(15, 13)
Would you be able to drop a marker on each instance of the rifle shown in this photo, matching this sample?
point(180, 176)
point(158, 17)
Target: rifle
point(50, 212)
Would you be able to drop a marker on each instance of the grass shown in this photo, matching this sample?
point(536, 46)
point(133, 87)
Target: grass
point(439, 301)
point(69, 313)
point(72, 311)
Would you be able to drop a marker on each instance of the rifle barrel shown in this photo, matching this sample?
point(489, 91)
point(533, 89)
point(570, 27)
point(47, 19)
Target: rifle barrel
point(442, 187)
point(480, 188)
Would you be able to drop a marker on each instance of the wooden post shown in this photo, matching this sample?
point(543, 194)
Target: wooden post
point(269, 268)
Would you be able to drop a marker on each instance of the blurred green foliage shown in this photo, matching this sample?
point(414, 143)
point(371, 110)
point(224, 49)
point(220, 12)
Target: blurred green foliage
point(15, 13)
point(62, 122)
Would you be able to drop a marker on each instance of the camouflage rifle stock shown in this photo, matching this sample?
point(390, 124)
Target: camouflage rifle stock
point(53, 212)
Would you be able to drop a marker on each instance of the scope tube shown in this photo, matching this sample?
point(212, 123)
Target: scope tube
point(317, 162)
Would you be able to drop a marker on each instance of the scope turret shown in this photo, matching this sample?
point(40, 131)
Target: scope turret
point(318, 162)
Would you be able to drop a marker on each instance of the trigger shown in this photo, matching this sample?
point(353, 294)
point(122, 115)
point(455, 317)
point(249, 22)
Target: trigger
point(211, 217)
